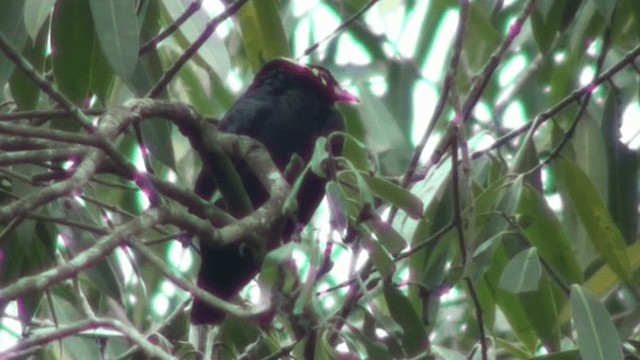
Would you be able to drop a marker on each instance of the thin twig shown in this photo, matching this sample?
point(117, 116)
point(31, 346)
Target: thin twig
point(179, 281)
point(44, 114)
point(193, 49)
point(576, 95)
point(86, 326)
point(484, 347)
point(339, 29)
point(449, 81)
point(586, 98)
point(463, 246)
point(483, 80)
point(84, 259)
point(153, 43)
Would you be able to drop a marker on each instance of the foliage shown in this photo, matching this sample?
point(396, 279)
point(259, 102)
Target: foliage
point(487, 211)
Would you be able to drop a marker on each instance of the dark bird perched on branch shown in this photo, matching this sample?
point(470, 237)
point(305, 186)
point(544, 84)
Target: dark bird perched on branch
point(287, 107)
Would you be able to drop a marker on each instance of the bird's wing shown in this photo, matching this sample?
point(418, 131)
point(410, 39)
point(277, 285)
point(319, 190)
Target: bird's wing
point(246, 116)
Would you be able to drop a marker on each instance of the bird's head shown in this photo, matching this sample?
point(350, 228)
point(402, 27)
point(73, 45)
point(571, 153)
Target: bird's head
point(314, 75)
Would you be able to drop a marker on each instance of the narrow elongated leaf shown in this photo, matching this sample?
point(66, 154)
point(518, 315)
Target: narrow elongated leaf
point(603, 233)
point(157, 138)
point(544, 231)
point(116, 25)
point(392, 241)
point(562, 355)
point(543, 32)
point(395, 195)
point(105, 274)
point(414, 336)
point(622, 169)
point(597, 336)
point(604, 280)
point(390, 144)
point(569, 12)
point(380, 257)
point(32, 247)
point(522, 273)
point(543, 313)
point(481, 43)
point(25, 93)
point(213, 53)
point(375, 350)
point(195, 89)
point(72, 37)
point(262, 32)
point(510, 304)
point(36, 13)
point(355, 152)
point(12, 27)
point(605, 8)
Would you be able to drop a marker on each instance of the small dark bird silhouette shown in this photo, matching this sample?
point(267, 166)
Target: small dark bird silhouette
point(287, 107)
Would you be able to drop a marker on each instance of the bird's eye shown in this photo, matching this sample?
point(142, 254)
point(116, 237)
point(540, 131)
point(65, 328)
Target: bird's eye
point(322, 75)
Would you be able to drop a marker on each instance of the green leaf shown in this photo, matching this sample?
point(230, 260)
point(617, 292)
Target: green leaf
point(360, 188)
point(561, 355)
point(545, 24)
point(101, 77)
point(195, 92)
point(522, 273)
point(527, 158)
point(272, 273)
point(432, 189)
point(104, 274)
point(447, 354)
point(237, 334)
point(414, 335)
point(605, 8)
point(395, 195)
point(157, 138)
point(635, 10)
point(603, 233)
point(513, 348)
point(151, 65)
point(374, 349)
point(338, 206)
point(481, 43)
point(380, 257)
point(390, 144)
point(25, 93)
point(355, 152)
point(72, 40)
point(597, 335)
point(544, 231)
point(550, 19)
point(510, 304)
point(116, 25)
point(590, 154)
point(544, 313)
point(262, 32)
point(622, 169)
point(502, 196)
point(392, 241)
point(589, 24)
point(36, 12)
point(213, 54)
point(12, 27)
point(604, 280)
point(569, 12)
point(30, 249)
